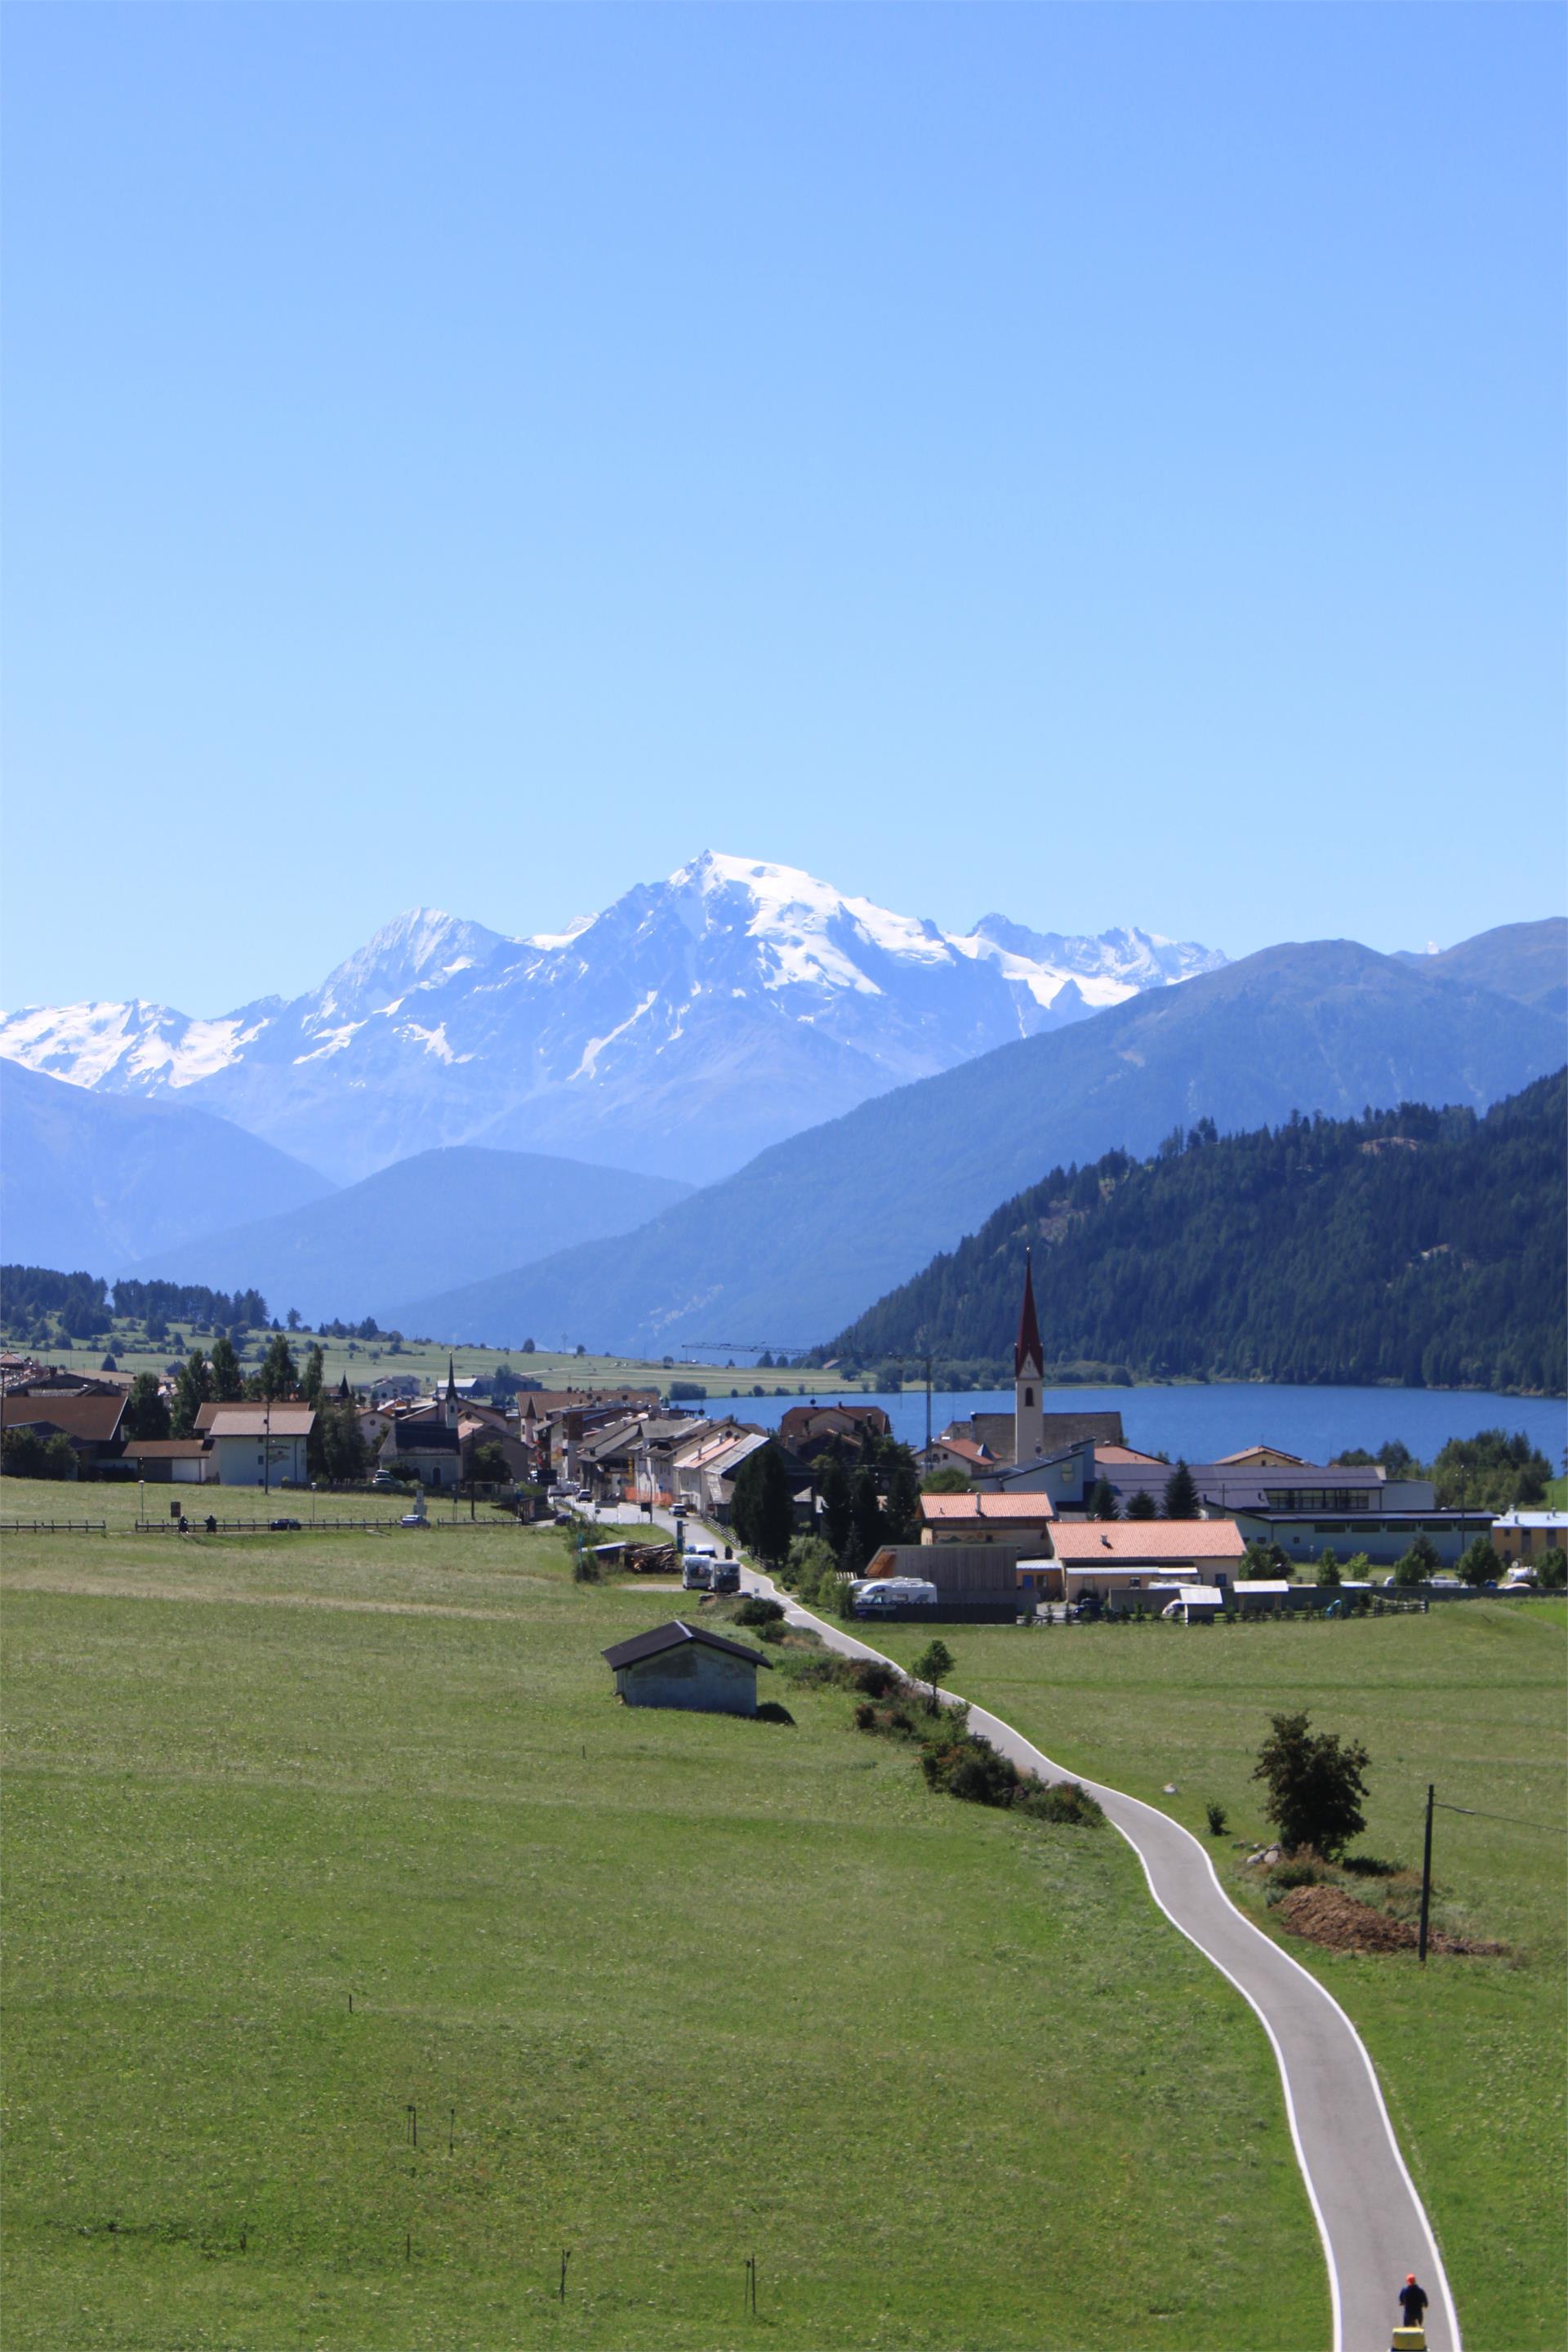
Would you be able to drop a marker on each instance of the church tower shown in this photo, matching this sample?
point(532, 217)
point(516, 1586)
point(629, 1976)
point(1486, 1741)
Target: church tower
point(452, 1396)
point(1029, 1369)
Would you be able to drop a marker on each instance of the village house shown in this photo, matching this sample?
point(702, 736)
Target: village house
point(965, 1453)
point(89, 1417)
point(1523, 1536)
point(1118, 1558)
point(259, 1445)
point(178, 1461)
point(807, 1431)
point(687, 1666)
point(985, 1518)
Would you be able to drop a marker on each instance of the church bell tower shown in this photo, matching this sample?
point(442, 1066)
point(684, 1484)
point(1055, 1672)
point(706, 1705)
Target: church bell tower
point(1029, 1369)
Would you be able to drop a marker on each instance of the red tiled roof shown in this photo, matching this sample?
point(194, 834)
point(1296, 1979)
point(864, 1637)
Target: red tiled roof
point(1133, 1543)
point(963, 1508)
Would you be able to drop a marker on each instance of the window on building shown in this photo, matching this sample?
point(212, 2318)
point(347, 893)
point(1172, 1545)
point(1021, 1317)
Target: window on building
point(1028, 1396)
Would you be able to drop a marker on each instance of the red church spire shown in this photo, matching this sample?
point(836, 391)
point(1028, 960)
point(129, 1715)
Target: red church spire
point(1028, 1351)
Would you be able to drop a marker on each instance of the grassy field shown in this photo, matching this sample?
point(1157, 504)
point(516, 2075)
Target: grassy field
point(1471, 1698)
point(365, 1361)
point(695, 1988)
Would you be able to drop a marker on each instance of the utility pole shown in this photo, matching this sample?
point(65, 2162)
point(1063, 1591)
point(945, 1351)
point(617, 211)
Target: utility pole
point(267, 1447)
point(1427, 1875)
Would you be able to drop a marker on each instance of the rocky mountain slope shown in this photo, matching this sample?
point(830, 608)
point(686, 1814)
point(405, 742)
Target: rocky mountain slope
point(686, 1027)
point(802, 1239)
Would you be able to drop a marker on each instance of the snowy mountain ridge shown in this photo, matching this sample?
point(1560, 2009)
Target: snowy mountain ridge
point(682, 1029)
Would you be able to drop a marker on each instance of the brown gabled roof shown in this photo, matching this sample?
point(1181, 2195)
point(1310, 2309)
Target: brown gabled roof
point(164, 1449)
point(88, 1420)
point(257, 1419)
point(670, 1637)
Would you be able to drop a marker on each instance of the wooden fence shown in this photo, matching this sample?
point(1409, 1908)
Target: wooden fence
point(53, 1527)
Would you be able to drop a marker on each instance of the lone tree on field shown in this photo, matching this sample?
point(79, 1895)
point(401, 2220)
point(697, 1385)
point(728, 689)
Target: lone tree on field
point(762, 1511)
point(1181, 1492)
point(1315, 1785)
point(934, 1661)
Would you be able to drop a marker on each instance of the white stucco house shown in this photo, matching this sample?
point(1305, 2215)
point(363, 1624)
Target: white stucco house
point(260, 1445)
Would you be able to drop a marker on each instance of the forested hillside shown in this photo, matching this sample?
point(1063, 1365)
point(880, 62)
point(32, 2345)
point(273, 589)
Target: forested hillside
point(1418, 1245)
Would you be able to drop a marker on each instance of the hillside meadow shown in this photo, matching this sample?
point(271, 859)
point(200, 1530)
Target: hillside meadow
point(1470, 1698)
point(665, 1991)
point(364, 1362)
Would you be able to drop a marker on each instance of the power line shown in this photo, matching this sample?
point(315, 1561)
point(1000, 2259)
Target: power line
point(1516, 1819)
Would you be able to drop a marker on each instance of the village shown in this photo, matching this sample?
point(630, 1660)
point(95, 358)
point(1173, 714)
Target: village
point(996, 1516)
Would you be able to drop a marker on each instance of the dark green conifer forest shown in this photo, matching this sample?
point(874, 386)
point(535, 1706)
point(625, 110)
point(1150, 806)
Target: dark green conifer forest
point(1422, 1247)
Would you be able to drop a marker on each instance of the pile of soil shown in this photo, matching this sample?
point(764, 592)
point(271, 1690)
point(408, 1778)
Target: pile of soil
point(1327, 1914)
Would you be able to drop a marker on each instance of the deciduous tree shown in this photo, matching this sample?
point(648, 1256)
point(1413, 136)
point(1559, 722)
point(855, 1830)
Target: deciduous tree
point(1315, 1783)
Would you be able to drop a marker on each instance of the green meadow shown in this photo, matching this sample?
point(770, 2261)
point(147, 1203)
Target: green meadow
point(667, 1991)
point(1470, 1698)
point(367, 1360)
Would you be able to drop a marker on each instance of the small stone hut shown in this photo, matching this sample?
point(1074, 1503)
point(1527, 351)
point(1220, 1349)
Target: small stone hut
point(680, 1665)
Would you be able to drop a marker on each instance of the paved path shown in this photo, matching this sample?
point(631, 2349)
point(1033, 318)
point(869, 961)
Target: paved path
point(1372, 2225)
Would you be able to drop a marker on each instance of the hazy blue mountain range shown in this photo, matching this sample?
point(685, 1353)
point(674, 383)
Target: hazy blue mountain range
point(1424, 1246)
point(695, 1020)
point(445, 1217)
point(1526, 961)
point(92, 1180)
point(801, 1239)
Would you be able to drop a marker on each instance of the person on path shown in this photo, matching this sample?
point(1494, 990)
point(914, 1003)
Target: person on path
point(1412, 2300)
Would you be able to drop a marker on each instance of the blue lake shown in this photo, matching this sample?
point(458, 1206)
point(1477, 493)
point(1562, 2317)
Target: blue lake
point(1205, 1424)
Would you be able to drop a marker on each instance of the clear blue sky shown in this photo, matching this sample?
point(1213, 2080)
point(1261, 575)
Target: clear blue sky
point(1103, 463)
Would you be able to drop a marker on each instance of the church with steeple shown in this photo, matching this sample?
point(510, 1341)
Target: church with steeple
point(427, 1443)
point(1029, 1376)
point(1006, 1444)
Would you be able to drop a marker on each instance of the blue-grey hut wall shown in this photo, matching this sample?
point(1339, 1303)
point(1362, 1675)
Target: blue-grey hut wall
point(692, 1676)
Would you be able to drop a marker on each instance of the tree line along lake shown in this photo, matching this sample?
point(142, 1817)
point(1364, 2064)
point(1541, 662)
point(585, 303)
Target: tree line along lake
point(1204, 1422)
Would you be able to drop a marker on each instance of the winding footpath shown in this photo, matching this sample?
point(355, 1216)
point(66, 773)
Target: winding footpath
point(1372, 2225)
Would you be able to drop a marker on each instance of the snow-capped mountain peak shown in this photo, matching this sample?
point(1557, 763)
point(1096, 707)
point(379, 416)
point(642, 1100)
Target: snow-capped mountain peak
point(682, 1028)
point(421, 944)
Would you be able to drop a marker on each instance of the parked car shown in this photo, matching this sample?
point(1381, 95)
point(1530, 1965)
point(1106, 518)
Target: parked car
point(383, 1480)
point(696, 1573)
point(284, 1527)
point(726, 1576)
point(414, 1519)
